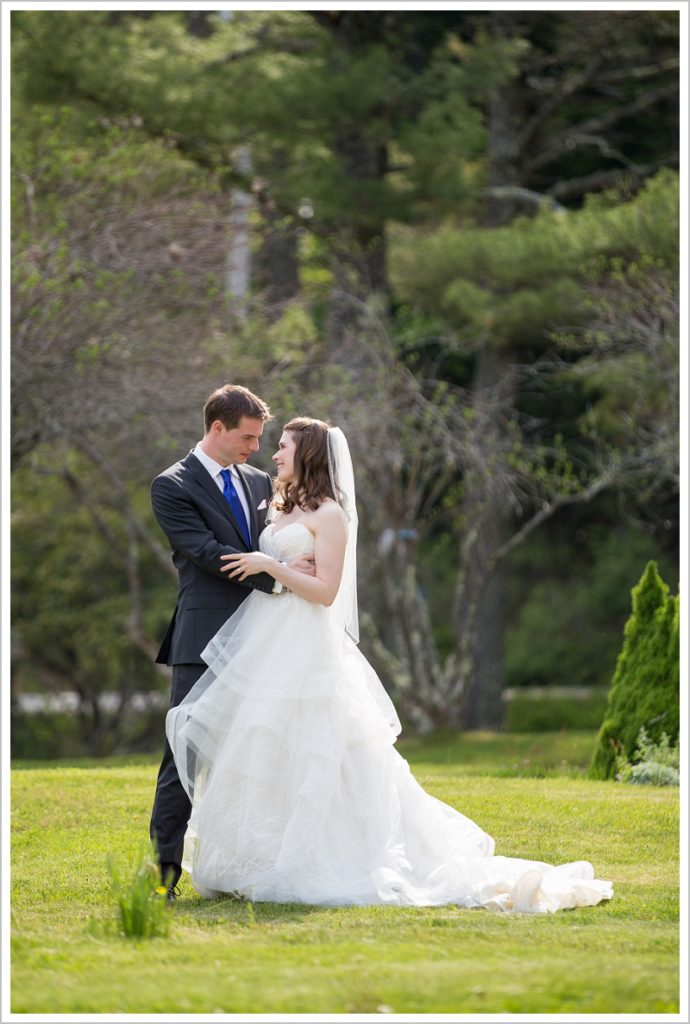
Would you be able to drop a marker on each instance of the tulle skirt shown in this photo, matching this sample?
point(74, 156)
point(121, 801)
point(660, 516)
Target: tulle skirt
point(286, 749)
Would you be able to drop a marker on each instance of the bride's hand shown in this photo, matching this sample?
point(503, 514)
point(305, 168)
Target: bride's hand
point(240, 566)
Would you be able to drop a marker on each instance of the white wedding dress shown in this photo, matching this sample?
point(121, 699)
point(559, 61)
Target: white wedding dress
point(285, 747)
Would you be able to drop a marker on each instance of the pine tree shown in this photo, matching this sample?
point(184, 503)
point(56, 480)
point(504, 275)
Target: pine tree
point(645, 686)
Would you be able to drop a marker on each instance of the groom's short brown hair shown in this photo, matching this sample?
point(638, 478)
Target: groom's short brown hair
point(230, 403)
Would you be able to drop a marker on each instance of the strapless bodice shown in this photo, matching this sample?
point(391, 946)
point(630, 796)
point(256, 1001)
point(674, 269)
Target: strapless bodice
point(286, 542)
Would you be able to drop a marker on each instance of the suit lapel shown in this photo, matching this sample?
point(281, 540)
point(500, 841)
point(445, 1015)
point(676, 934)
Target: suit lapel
point(205, 480)
point(251, 504)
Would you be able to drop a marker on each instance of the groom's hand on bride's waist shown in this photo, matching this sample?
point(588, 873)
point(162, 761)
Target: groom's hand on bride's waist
point(242, 564)
point(303, 563)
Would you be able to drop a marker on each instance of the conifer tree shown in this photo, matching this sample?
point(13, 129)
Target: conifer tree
point(645, 686)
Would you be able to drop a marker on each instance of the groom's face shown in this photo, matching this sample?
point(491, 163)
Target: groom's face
point(236, 444)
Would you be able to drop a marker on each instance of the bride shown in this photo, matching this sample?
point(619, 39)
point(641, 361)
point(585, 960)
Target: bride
point(285, 745)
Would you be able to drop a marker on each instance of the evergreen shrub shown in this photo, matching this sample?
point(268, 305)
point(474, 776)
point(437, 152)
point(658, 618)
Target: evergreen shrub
point(645, 687)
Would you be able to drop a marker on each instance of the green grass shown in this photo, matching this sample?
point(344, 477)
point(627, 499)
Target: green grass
point(224, 955)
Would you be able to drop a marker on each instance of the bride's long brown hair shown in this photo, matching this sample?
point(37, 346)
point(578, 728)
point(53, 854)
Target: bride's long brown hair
point(312, 482)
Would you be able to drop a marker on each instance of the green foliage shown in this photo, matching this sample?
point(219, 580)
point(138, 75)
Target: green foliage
point(569, 602)
point(299, 100)
point(551, 713)
point(71, 612)
point(658, 764)
point(512, 285)
point(626, 361)
point(651, 773)
point(70, 597)
point(662, 752)
point(126, 134)
point(143, 908)
point(43, 736)
point(645, 686)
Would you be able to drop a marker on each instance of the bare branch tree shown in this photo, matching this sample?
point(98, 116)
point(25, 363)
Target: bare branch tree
point(426, 453)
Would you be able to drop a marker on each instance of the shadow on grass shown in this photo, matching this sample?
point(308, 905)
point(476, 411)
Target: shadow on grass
point(226, 912)
point(231, 910)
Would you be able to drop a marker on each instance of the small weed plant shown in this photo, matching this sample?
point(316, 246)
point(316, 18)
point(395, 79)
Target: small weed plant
point(657, 764)
point(141, 900)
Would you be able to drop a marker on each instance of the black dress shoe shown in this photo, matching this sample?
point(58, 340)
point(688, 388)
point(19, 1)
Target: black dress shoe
point(173, 892)
point(170, 875)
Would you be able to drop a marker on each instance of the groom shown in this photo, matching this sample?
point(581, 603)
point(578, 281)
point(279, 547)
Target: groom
point(209, 504)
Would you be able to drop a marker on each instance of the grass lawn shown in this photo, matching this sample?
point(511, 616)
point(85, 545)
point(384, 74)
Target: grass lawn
point(528, 791)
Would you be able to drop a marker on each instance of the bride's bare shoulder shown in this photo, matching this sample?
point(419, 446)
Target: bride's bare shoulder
point(329, 507)
point(329, 511)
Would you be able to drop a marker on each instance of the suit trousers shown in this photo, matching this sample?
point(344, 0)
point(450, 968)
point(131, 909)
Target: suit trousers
point(171, 805)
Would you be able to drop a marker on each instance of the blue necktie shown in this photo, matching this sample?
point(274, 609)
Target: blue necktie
point(233, 499)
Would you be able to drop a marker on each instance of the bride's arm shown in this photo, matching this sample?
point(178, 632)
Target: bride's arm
point(330, 536)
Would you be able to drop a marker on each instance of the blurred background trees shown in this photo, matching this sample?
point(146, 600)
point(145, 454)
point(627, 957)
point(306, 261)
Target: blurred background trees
point(453, 233)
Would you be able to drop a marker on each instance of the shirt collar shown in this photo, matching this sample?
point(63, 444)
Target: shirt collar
point(213, 467)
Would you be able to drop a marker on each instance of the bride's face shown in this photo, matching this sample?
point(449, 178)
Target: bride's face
point(284, 458)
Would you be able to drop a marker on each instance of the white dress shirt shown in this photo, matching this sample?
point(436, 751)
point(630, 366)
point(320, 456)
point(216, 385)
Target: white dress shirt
point(214, 468)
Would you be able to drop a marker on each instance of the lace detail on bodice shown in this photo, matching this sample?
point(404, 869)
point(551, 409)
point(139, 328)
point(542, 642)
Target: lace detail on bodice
point(287, 541)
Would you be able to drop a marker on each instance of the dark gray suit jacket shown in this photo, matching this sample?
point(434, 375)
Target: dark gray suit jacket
point(198, 521)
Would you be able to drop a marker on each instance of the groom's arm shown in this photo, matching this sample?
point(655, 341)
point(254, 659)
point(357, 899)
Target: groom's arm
point(187, 532)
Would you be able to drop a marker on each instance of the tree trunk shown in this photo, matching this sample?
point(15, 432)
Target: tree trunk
point(486, 587)
point(482, 606)
point(484, 582)
point(277, 265)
